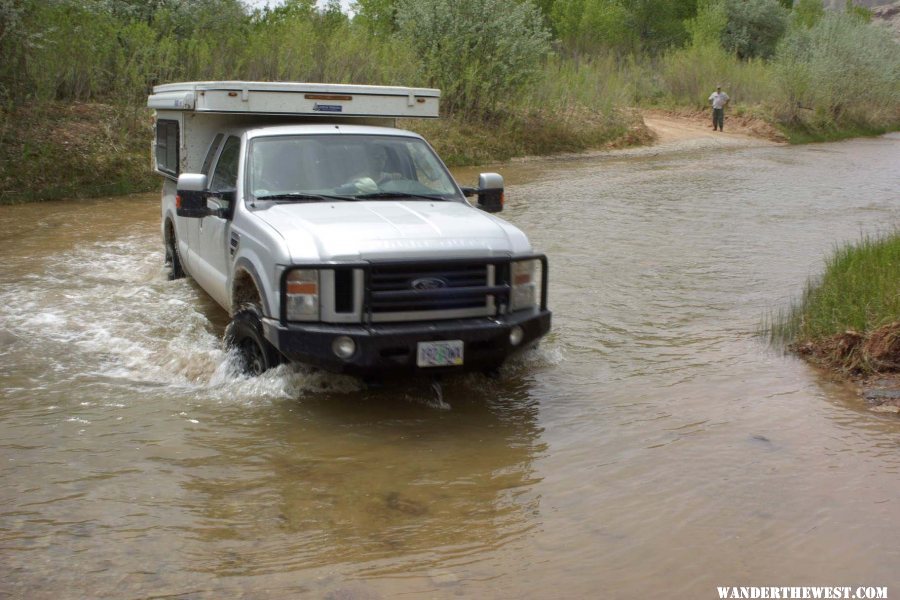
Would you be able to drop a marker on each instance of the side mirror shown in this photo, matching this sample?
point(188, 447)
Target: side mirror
point(490, 192)
point(190, 200)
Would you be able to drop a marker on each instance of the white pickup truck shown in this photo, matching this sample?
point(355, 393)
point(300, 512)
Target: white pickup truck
point(336, 240)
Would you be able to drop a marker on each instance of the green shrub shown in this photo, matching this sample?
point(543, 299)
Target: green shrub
point(479, 52)
point(688, 76)
point(601, 84)
point(840, 72)
point(753, 27)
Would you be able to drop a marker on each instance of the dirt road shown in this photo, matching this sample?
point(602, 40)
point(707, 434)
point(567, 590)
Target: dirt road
point(695, 129)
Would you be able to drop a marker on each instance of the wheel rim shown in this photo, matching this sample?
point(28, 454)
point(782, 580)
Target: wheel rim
point(254, 362)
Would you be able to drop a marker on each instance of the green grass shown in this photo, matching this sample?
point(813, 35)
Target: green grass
point(64, 150)
point(808, 134)
point(859, 292)
point(464, 142)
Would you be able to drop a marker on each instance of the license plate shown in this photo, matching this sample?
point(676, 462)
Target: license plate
point(446, 353)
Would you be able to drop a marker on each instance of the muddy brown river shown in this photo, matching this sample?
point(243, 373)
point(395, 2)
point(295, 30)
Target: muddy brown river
point(654, 446)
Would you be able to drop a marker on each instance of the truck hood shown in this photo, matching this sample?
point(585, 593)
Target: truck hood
point(348, 231)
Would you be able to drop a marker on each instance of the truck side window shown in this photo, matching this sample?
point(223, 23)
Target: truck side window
point(211, 154)
point(167, 146)
point(225, 176)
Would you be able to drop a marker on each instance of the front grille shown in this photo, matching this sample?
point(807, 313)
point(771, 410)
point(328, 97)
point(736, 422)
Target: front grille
point(423, 287)
point(343, 291)
point(406, 291)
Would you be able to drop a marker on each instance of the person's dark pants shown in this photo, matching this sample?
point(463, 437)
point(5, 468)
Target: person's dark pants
point(719, 118)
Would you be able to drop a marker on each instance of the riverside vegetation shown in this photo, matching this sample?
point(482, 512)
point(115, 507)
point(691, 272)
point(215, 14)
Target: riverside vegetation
point(518, 76)
point(849, 319)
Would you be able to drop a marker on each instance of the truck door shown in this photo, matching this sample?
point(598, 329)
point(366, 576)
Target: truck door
point(213, 256)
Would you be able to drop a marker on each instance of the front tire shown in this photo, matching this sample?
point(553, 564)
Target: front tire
point(244, 333)
point(173, 258)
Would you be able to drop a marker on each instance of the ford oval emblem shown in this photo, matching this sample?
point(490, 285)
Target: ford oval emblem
point(429, 283)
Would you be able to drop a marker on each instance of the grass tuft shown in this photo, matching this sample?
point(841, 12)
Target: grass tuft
point(848, 318)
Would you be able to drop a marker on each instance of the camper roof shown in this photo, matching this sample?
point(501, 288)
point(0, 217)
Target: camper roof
point(293, 98)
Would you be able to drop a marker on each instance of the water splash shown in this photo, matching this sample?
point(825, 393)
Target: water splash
point(111, 313)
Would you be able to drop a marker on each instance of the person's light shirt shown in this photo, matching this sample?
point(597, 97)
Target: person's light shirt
point(718, 99)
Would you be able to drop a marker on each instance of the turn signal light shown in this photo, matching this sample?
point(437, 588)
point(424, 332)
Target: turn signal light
point(301, 288)
point(306, 287)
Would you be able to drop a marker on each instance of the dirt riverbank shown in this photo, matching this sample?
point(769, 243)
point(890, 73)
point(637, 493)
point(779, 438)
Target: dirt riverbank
point(673, 127)
point(871, 361)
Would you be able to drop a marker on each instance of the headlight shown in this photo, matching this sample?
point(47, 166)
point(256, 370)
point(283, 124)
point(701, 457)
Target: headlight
point(302, 295)
point(525, 278)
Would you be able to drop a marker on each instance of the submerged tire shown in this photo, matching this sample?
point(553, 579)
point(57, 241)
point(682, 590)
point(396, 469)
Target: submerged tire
point(173, 258)
point(244, 333)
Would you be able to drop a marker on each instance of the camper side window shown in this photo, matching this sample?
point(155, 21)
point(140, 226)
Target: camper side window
point(167, 146)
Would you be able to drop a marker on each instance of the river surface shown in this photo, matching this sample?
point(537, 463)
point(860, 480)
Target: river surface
point(654, 446)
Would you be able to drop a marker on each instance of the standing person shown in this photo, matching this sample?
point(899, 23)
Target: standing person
point(719, 99)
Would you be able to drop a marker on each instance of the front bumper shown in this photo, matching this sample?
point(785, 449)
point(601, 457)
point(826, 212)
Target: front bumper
point(384, 349)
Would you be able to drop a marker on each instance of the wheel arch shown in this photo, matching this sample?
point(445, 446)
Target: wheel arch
point(247, 287)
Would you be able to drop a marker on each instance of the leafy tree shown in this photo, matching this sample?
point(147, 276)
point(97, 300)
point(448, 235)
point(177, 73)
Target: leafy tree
point(566, 20)
point(331, 16)
point(15, 39)
point(590, 25)
point(607, 23)
point(546, 7)
point(289, 11)
point(707, 27)
point(199, 18)
point(132, 10)
point(181, 17)
point(379, 17)
point(659, 25)
point(479, 52)
point(754, 27)
point(624, 26)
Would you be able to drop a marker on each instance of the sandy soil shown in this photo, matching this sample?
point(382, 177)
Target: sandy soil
point(695, 129)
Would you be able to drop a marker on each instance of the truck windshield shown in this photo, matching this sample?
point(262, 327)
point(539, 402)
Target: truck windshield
point(346, 167)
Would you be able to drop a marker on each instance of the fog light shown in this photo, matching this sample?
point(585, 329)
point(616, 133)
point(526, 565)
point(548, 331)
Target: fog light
point(515, 335)
point(343, 347)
